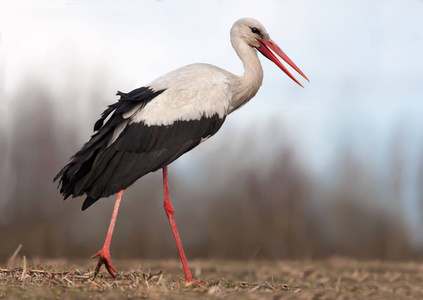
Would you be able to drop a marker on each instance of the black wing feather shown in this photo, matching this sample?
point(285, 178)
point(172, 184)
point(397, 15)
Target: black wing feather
point(82, 162)
point(100, 170)
point(128, 159)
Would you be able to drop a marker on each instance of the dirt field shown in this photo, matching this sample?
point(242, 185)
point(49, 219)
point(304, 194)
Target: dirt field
point(335, 278)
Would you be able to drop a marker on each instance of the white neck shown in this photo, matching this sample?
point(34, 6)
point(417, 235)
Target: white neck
point(247, 85)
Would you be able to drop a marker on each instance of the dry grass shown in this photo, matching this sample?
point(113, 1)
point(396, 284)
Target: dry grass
point(336, 278)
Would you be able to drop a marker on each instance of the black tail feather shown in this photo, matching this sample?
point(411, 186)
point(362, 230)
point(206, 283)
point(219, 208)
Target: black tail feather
point(88, 202)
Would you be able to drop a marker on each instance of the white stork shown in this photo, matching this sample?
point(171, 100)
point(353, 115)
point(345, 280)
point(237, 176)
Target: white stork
point(150, 127)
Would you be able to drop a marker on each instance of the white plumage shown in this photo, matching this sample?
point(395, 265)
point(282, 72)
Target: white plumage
point(188, 96)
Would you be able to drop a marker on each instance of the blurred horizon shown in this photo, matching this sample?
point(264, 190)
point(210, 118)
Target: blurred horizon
point(334, 168)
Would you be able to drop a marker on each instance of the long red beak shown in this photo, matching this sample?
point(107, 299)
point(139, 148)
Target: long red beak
point(265, 49)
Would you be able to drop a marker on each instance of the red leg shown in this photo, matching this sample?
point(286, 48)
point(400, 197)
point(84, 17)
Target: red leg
point(104, 253)
point(170, 215)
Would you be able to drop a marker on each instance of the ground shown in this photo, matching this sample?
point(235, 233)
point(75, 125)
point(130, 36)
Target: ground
point(334, 278)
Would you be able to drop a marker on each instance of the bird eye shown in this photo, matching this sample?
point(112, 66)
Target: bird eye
point(255, 30)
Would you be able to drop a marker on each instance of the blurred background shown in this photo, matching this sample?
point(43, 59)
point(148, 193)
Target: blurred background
point(335, 168)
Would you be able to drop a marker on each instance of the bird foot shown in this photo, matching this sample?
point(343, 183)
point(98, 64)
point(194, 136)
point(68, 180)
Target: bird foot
point(190, 281)
point(104, 258)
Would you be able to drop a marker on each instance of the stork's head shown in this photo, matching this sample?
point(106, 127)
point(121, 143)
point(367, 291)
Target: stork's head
point(251, 32)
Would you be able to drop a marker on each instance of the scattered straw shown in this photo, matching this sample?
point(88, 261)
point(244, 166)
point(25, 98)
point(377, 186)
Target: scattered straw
point(331, 279)
point(12, 258)
point(23, 277)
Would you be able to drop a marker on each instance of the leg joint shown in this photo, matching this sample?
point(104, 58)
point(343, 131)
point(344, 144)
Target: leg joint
point(170, 210)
